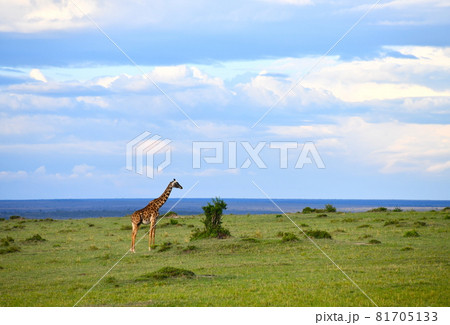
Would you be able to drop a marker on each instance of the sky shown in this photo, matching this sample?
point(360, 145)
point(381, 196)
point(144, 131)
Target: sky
point(242, 99)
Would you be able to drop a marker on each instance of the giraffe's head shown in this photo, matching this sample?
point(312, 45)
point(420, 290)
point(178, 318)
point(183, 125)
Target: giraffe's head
point(176, 184)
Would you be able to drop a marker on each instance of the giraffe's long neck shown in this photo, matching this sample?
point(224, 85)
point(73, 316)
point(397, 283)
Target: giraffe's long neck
point(163, 198)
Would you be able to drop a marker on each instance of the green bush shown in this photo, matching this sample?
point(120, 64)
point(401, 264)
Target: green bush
point(308, 210)
point(289, 236)
point(278, 216)
point(36, 238)
point(411, 233)
point(15, 217)
point(125, 227)
point(380, 209)
point(173, 222)
point(323, 215)
point(420, 223)
point(319, 234)
point(397, 210)
point(374, 242)
point(329, 208)
point(212, 221)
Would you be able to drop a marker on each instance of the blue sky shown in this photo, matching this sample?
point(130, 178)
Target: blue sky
point(377, 107)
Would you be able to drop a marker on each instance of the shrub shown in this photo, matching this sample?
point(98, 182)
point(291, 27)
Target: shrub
point(166, 273)
point(380, 209)
point(319, 234)
point(374, 242)
point(308, 210)
point(36, 238)
point(323, 215)
point(125, 227)
point(288, 236)
point(397, 209)
point(15, 217)
point(420, 223)
point(212, 221)
point(407, 248)
point(278, 216)
point(2, 219)
point(173, 222)
point(329, 208)
point(364, 226)
point(411, 233)
point(446, 209)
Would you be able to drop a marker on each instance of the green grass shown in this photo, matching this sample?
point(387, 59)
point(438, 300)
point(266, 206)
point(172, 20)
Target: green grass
point(253, 267)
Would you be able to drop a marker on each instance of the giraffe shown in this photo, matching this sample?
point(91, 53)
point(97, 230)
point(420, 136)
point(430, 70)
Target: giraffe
point(149, 214)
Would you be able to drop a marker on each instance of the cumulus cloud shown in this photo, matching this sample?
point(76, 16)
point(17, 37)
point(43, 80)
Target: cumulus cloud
point(387, 77)
point(27, 16)
point(391, 146)
point(267, 88)
point(83, 170)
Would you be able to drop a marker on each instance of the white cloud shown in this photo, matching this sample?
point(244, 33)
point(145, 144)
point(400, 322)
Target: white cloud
point(27, 16)
point(36, 74)
point(387, 77)
point(392, 146)
point(82, 170)
point(13, 175)
point(266, 89)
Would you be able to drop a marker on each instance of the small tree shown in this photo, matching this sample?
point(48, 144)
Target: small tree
point(330, 208)
point(213, 221)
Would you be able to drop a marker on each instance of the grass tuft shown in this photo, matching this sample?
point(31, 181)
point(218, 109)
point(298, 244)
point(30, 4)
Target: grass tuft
point(165, 247)
point(9, 249)
point(391, 222)
point(374, 242)
point(166, 273)
point(287, 236)
point(35, 239)
point(4, 242)
point(318, 234)
point(411, 233)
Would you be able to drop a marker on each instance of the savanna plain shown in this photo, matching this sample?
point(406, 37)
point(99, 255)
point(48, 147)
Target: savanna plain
point(397, 258)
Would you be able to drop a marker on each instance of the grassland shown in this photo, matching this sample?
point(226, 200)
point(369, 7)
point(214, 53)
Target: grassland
point(266, 262)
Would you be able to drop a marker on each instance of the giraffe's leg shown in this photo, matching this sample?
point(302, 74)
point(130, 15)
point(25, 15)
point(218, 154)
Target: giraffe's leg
point(134, 230)
point(150, 235)
point(153, 234)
